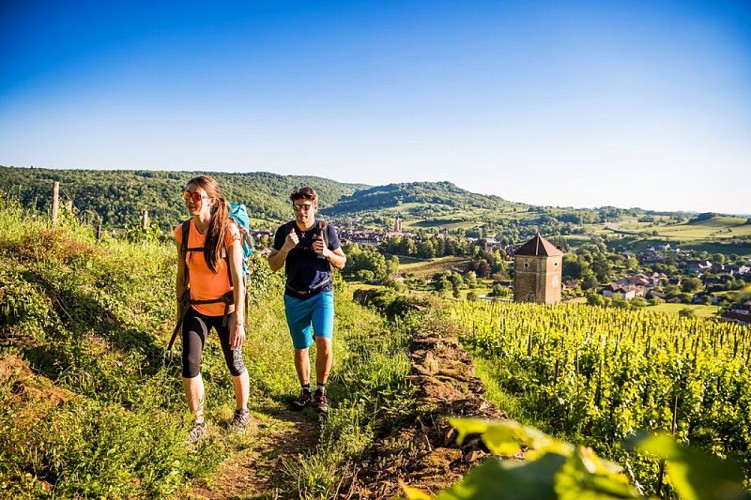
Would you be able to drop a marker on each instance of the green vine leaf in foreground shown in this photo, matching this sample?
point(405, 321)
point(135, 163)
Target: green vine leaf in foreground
point(693, 473)
point(557, 470)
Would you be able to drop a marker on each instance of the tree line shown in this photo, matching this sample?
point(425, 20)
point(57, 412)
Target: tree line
point(117, 198)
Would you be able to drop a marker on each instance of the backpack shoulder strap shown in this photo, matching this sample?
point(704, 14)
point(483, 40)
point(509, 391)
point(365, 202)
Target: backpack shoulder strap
point(323, 231)
point(225, 248)
point(184, 244)
point(225, 251)
point(185, 237)
point(185, 232)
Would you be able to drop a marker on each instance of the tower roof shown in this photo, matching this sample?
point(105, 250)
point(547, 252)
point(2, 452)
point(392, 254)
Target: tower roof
point(539, 247)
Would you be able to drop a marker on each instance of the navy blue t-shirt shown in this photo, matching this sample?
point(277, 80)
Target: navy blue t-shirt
point(305, 269)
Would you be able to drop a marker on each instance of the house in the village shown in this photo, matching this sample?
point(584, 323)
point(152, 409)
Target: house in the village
point(624, 292)
point(739, 313)
point(698, 267)
point(571, 285)
point(638, 285)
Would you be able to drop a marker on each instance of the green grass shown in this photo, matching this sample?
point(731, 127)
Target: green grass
point(576, 300)
point(715, 228)
point(710, 230)
point(487, 371)
point(427, 268)
point(716, 247)
point(699, 310)
point(713, 235)
point(89, 321)
point(104, 413)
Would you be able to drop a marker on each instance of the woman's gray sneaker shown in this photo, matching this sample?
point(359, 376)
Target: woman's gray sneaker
point(240, 420)
point(197, 432)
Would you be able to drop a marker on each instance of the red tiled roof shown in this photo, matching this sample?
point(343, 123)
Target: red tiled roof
point(539, 247)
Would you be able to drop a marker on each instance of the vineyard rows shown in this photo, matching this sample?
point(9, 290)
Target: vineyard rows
point(599, 375)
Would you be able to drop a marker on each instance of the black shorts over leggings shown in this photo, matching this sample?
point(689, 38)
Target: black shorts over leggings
point(196, 327)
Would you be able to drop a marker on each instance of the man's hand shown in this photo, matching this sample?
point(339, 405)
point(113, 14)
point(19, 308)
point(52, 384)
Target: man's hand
point(319, 248)
point(291, 241)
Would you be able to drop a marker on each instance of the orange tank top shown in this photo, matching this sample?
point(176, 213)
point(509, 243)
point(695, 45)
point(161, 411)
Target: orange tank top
point(205, 284)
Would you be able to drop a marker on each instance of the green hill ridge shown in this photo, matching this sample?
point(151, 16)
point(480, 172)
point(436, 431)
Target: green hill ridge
point(116, 200)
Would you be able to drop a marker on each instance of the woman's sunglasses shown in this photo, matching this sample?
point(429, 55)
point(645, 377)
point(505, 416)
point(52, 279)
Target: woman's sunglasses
point(194, 197)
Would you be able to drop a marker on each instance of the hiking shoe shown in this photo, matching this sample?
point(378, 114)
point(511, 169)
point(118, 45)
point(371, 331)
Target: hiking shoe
point(302, 401)
point(197, 432)
point(240, 420)
point(320, 402)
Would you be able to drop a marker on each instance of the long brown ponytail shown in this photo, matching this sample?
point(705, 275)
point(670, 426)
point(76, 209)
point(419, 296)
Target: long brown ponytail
point(212, 250)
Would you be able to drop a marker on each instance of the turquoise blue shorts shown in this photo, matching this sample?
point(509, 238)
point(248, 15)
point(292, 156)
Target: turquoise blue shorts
point(316, 312)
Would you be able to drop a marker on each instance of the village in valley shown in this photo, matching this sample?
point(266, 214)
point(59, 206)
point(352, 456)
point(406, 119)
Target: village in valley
point(661, 273)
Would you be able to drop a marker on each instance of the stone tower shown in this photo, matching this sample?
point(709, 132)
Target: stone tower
point(538, 265)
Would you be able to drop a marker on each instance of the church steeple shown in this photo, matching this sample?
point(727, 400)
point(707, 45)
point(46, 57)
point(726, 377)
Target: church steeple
point(398, 224)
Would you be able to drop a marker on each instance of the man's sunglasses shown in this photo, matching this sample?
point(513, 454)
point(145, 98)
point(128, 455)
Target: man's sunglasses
point(194, 197)
point(301, 206)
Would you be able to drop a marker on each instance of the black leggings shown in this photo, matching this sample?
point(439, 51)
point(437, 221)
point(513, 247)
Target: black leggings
point(196, 327)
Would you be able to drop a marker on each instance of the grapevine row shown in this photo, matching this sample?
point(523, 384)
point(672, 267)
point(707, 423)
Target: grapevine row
point(602, 374)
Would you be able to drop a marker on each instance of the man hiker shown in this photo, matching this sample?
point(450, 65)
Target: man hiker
point(308, 248)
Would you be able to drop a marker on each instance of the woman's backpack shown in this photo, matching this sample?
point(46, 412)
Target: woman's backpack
point(239, 213)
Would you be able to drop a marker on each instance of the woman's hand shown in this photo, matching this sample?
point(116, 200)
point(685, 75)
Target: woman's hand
point(237, 336)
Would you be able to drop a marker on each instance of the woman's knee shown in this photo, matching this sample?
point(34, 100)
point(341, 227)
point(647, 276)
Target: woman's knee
point(191, 367)
point(235, 362)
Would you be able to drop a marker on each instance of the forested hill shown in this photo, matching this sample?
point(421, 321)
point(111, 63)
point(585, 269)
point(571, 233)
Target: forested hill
point(394, 195)
point(116, 198)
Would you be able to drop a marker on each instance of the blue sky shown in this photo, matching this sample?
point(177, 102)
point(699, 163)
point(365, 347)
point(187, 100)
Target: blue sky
point(586, 103)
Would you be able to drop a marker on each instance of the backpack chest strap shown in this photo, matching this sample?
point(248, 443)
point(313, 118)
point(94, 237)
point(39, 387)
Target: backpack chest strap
point(227, 298)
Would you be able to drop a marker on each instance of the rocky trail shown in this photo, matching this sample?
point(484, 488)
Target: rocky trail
point(423, 453)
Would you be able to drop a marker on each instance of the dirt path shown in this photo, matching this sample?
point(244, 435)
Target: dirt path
point(421, 451)
point(258, 467)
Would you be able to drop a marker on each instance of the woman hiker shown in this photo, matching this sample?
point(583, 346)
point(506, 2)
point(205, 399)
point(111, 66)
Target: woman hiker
point(207, 268)
point(307, 249)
